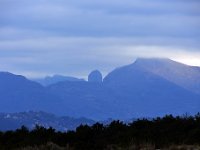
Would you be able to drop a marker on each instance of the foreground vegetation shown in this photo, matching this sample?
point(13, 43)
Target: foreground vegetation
point(159, 133)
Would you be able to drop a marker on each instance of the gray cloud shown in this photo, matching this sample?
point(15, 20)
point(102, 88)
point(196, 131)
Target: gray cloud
point(39, 37)
point(103, 18)
point(77, 56)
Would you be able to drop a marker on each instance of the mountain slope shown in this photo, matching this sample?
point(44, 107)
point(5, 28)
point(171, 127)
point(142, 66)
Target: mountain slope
point(185, 76)
point(20, 94)
point(88, 99)
point(147, 94)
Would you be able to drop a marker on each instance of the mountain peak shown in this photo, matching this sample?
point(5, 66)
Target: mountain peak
point(95, 76)
point(158, 63)
point(153, 60)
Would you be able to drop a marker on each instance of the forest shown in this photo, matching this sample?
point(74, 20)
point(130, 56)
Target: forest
point(168, 132)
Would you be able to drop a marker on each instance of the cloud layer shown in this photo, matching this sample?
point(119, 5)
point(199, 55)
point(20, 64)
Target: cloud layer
point(40, 37)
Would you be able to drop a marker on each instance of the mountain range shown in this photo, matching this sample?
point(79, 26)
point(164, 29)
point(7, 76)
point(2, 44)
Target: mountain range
point(55, 79)
point(148, 87)
point(13, 121)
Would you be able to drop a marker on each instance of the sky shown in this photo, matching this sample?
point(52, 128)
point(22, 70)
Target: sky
point(74, 37)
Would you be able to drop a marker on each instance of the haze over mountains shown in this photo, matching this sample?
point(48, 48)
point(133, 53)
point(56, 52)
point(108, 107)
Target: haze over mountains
point(55, 79)
point(146, 88)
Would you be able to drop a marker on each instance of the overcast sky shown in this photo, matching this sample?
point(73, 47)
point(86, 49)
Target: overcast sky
point(73, 37)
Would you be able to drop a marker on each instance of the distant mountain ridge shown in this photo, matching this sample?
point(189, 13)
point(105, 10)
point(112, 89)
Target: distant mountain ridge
point(12, 121)
point(55, 79)
point(145, 88)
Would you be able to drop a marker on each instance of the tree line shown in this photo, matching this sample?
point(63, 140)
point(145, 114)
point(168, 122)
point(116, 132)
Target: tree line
point(159, 133)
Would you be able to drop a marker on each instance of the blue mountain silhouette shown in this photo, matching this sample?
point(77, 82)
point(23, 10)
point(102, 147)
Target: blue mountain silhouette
point(146, 88)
